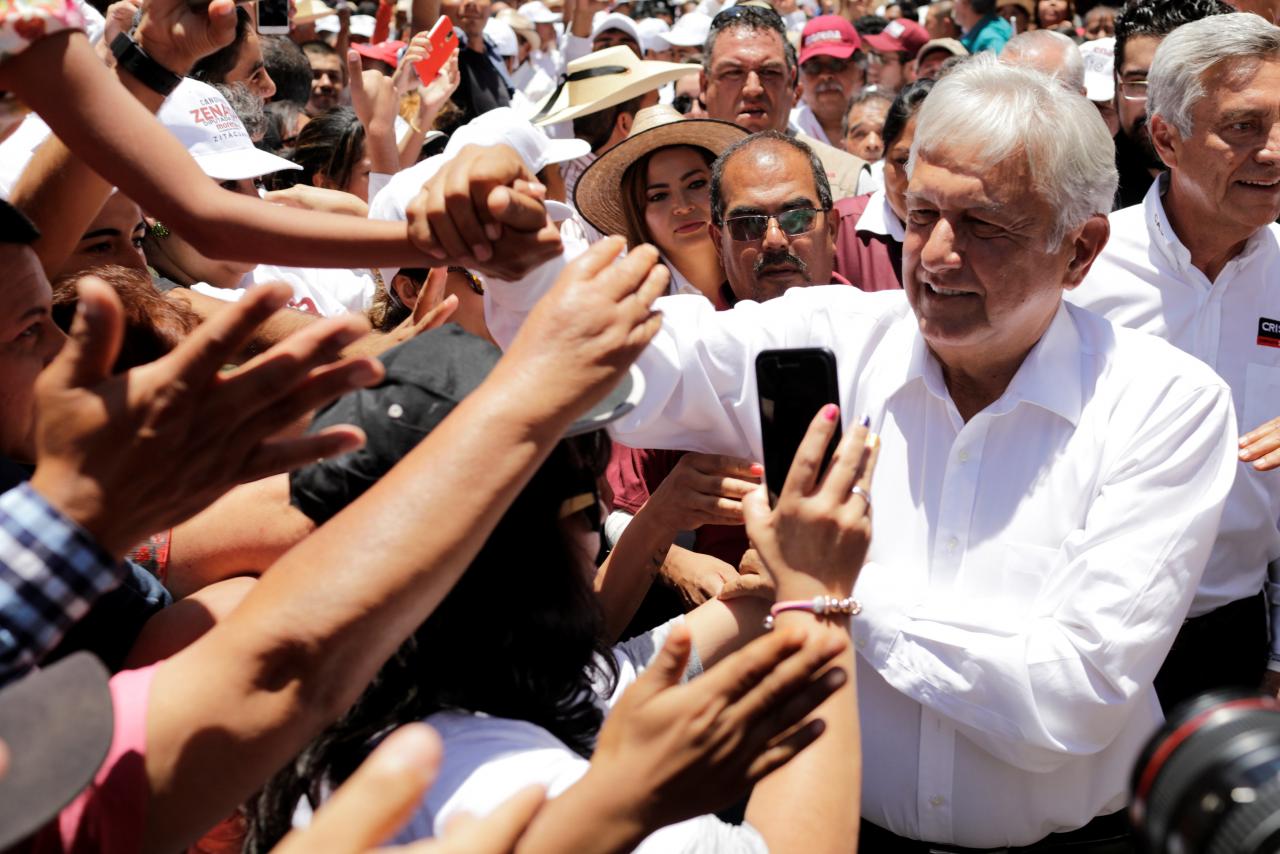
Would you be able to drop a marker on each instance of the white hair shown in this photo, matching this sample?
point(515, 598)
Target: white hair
point(1175, 83)
point(987, 112)
point(1049, 52)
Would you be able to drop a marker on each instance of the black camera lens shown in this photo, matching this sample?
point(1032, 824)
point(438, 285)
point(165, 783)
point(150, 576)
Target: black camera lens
point(1208, 782)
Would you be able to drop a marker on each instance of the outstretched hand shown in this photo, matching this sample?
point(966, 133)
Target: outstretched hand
point(125, 455)
point(690, 749)
point(815, 540)
point(178, 33)
point(483, 198)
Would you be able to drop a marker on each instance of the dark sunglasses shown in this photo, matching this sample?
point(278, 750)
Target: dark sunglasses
point(753, 226)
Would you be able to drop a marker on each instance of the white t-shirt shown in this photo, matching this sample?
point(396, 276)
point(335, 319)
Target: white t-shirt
point(488, 759)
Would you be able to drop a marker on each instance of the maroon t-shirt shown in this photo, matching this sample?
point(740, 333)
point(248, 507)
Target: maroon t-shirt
point(872, 262)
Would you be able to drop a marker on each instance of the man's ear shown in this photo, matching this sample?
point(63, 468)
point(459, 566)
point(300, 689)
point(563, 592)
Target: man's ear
point(623, 123)
point(406, 289)
point(833, 223)
point(1165, 139)
point(702, 86)
point(714, 232)
point(1086, 246)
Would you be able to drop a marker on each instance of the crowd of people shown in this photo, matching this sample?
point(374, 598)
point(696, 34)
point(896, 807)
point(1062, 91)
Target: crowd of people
point(381, 446)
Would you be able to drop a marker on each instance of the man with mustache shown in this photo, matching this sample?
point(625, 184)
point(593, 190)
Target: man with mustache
point(832, 69)
point(1198, 264)
point(1139, 30)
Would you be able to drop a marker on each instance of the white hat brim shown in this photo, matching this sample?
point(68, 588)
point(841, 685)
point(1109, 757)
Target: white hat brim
point(241, 163)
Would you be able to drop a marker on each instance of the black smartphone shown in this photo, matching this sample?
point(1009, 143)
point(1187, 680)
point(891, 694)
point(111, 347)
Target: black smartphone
point(273, 17)
point(792, 386)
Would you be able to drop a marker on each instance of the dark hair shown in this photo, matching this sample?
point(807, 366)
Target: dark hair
point(1159, 18)
point(282, 119)
point(861, 98)
point(906, 105)
point(766, 137)
point(534, 652)
point(317, 46)
point(983, 7)
point(15, 226)
point(388, 311)
point(1071, 12)
point(329, 146)
point(598, 127)
point(753, 19)
point(153, 323)
point(870, 25)
point(907, 8)
point(215, 67)
point(633, 193)
point(289, 69)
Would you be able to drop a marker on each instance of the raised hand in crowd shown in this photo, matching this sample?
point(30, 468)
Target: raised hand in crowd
point(483, 198)
point(704, 489)
point(118, 19)
point(375, 100)
point(131, 454)
point(384, 790)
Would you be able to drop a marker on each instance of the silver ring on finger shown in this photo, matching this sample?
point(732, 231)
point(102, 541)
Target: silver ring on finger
point(866, 496)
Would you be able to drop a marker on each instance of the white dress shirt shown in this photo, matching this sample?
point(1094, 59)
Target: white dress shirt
point(1144, 280)
point(803, 119)
point(1030, 568)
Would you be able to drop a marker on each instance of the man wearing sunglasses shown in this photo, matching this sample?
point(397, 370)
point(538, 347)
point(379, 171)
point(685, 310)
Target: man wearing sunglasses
point(772, 220)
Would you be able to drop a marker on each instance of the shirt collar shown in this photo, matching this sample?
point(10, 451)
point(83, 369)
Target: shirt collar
point(1170, 246)
point(1049, 377)
point(879, 218)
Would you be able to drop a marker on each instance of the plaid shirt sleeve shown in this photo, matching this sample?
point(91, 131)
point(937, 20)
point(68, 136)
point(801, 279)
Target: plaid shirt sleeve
point(51, 572)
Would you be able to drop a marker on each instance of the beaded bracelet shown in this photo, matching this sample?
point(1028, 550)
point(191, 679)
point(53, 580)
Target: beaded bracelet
point(819, 606)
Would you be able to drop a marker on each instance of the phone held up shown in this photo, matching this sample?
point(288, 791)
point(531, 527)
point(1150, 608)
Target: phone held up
point(444, 42)
point(273, 17)
point(792, 386)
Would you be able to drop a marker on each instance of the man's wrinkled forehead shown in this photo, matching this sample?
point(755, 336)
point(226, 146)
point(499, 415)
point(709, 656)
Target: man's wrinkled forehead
point(740, 43)
point(786, 167)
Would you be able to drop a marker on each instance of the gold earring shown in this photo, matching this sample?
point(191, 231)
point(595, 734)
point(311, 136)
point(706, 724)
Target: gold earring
point(158, 230)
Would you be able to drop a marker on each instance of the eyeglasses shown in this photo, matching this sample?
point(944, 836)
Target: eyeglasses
point(831, 65)
point(1134, 90)
point(753, 226)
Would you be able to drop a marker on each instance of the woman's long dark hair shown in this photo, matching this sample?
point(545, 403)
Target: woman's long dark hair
point(330, 145)
point(518, 637)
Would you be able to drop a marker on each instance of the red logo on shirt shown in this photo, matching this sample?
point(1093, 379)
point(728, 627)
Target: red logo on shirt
point(1268, 332)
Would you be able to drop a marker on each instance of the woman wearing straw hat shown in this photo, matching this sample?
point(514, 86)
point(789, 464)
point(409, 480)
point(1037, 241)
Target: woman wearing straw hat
point(654, 187)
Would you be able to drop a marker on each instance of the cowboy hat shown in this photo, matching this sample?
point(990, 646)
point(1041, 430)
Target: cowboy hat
point(523, 27)
point(310, 10)
point(605, 79)
point(597, 195)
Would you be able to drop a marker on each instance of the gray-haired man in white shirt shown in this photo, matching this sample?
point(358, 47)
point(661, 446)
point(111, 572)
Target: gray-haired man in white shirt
point(1198, 264)
point(1049, 486)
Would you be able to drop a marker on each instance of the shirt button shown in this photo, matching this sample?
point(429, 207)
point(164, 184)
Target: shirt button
point(963, 456)
point(951, 545)
point(937, 801)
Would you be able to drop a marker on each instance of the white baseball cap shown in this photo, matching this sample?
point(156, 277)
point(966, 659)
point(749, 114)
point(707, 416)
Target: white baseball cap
point(538, 12)
point(690, 30)
point(617, 21)
point(203, 121)
point(362, 25)
point(504, 126)
point(1099, 69)
point(504, 38)
point(652, 31)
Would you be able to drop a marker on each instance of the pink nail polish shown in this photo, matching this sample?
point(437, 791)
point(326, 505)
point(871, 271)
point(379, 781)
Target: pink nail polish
point(830, 411)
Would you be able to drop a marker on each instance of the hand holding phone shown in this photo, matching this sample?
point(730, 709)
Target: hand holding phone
point(443, 43)
point(792, 385)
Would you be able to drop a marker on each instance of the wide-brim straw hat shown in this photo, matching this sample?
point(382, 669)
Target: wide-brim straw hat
point(604, 79)
point(311, 10)
point(598, 195)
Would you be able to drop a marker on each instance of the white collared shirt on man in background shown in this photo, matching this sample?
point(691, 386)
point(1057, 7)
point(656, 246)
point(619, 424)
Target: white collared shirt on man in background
point(1145, 280)
point(1029, 569)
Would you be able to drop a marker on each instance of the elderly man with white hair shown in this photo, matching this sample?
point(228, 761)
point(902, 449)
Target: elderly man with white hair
point(1050, 53)
point(1048, 489)
point(1198, 264)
